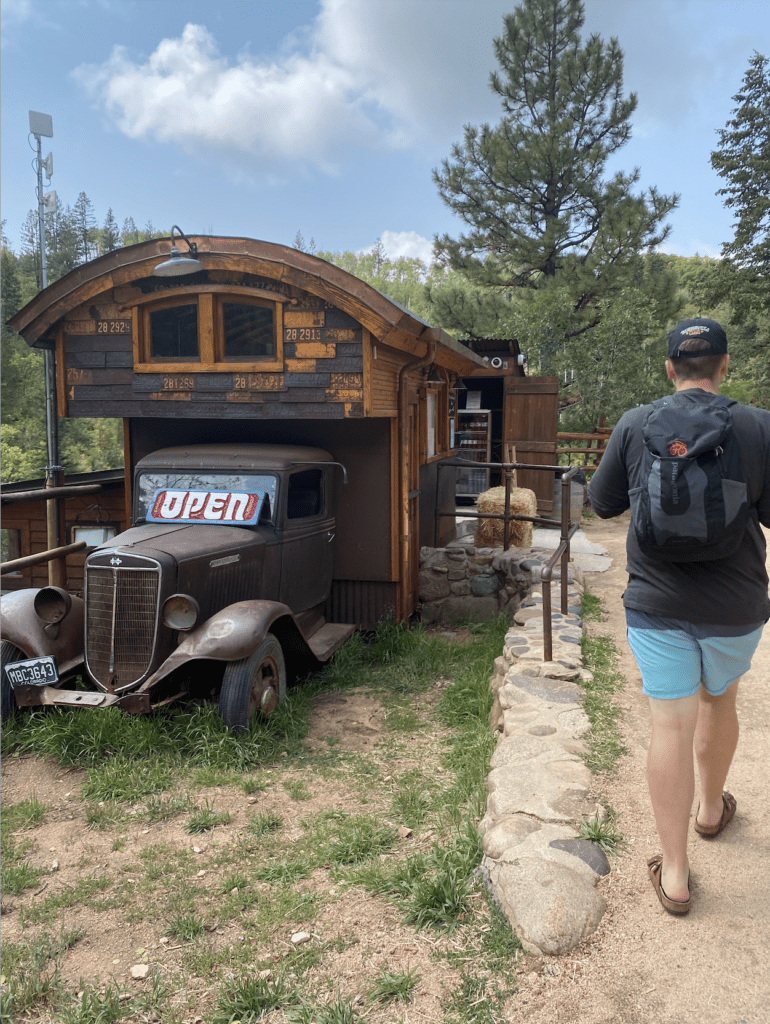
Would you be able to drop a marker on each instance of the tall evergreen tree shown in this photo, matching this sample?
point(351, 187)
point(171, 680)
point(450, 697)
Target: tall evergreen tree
point(742, 159)
point(85, 220)
point(110, 236)
point(542, 211)
point(130, 233)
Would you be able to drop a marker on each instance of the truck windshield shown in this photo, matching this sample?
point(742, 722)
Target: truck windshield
point(235, 499)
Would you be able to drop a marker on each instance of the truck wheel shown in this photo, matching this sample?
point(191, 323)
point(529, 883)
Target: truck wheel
point(254, 685)
point(8, 654)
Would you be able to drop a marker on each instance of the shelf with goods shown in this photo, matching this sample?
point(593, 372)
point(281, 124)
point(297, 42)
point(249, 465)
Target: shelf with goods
point(474, 444)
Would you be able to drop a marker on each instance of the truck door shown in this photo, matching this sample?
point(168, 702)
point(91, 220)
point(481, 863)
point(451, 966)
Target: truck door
point(307, 559)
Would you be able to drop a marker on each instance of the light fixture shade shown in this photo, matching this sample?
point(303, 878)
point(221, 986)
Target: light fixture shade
point(176, 265)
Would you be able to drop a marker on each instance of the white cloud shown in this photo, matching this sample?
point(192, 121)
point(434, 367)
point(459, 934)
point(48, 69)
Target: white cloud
point(373, 76)
point(15, 11)
point(407, 243)
point(185, 93)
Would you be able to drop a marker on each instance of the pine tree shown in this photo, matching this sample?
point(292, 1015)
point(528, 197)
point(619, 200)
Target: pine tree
point(299, 242)
point(743, 161)
point(63, 242)
point(130, 233)
point(85, 221)
point(378, 254)
point(542, 211)
point(110, 236)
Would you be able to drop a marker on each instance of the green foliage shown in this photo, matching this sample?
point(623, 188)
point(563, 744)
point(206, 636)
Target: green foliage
point(185, 927)
point(206, 818)
point(339, 1011)
point(742, 159)
point(31, 970)
point(604, 742)
point(394, 986)
point(85, 445)
point(264, 824)
point(533, 189)
point(603, 832)
point(247, 1000)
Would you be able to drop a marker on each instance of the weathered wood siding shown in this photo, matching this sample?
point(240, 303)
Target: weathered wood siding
point(322, 378)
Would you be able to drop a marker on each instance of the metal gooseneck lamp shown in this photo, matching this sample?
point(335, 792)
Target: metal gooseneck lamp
point(177, 265)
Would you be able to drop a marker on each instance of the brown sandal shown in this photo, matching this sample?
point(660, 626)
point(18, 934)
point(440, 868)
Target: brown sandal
point(655, 869)
point(729, 804)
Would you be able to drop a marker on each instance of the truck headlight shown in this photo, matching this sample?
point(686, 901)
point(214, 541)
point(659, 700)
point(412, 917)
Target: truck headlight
point(180, 611)
point(52, 604)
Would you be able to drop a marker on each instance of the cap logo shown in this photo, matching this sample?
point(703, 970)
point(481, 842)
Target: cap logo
point(695, 330)
point(678, 449)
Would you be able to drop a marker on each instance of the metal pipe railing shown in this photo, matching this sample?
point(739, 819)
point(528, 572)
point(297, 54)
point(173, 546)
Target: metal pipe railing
point(566, 526)
point(42, 556)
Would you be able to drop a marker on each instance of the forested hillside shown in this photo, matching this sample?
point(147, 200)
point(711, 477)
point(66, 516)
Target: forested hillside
point(72, 237)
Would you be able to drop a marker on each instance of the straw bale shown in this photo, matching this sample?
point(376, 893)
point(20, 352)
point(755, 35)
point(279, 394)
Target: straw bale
point(489, 532)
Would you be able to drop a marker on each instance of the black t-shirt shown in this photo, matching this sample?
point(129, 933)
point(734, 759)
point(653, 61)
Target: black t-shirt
point(728, 591)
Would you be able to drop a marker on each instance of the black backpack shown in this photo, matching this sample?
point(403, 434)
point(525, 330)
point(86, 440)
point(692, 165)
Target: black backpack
point(692, 505)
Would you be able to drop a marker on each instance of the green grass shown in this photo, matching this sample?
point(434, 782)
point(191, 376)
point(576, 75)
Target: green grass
point(249, 999)
point(592, 608)
point(605, 746)
point(140, 771)
point(206, 818)
point(297, 789)
point(394, 987)
point(264, 824)
point(603, 832)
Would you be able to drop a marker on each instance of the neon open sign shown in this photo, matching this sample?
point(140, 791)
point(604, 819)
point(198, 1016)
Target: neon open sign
point(233, 507)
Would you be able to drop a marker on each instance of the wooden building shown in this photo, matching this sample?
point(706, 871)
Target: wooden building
point(268, 344)
point(523, 413)
point(95, 513)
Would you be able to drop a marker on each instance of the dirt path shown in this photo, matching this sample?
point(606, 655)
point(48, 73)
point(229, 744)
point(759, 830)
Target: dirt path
point(644, 966)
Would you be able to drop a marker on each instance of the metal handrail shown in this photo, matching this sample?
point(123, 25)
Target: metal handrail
point(42, 556)
point(567, 531)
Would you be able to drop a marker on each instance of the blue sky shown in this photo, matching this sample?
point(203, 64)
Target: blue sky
point(265, 117)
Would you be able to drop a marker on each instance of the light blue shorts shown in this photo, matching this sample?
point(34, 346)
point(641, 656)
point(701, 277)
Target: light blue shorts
point(677, 659)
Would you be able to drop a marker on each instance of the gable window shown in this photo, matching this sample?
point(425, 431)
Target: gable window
point(174, 332)
point(248, 330)
point(208, 330)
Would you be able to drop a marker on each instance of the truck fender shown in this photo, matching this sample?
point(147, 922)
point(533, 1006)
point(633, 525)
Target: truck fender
point(44, 621)
point(231, 634)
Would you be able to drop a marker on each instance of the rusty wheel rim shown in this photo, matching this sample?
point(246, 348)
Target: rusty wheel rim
point(263, 697)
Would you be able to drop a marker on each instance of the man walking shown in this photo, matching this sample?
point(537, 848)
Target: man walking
point(697, 595)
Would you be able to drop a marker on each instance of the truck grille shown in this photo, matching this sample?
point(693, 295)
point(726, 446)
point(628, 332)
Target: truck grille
point(121, 616)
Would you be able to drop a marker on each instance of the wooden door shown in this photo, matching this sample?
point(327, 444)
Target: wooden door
point(530, 422)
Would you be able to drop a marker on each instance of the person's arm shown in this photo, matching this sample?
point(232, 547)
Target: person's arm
point(763, 504)
point(608, 490)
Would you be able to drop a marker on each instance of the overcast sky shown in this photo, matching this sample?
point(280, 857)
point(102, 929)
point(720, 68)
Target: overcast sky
point(265, 117)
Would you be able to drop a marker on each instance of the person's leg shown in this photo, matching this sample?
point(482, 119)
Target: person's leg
point(671, 779)
point(716, 737)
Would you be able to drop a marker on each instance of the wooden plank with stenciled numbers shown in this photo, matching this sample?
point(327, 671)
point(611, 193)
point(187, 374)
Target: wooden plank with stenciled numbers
point(304, 318)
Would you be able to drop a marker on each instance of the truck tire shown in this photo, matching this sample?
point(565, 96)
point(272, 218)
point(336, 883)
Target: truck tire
point(253, 686)
point(8, 654)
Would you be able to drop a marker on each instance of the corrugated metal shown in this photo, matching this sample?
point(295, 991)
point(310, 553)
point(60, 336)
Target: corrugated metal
point(361, 602)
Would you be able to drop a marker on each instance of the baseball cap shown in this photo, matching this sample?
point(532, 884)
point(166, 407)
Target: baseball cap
point(700, 327)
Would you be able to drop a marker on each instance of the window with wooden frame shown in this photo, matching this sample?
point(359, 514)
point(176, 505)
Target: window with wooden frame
point(209, 330)
point(436, 432)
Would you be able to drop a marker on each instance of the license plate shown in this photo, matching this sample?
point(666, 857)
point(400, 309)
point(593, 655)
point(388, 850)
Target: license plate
point(38, 671)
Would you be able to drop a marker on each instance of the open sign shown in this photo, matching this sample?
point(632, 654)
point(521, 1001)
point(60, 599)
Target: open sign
point(198, 506)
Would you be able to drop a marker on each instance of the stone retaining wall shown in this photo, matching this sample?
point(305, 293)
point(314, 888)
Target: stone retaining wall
point(538, 868)
point(463, 583)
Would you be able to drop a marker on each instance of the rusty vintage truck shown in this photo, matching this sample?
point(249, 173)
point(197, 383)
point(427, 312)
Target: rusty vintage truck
point(218, 588)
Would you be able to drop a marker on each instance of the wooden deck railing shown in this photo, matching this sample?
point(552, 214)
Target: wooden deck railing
point(597, 442)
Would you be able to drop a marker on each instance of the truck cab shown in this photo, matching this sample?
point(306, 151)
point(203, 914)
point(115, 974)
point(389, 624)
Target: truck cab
point(220, 582)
